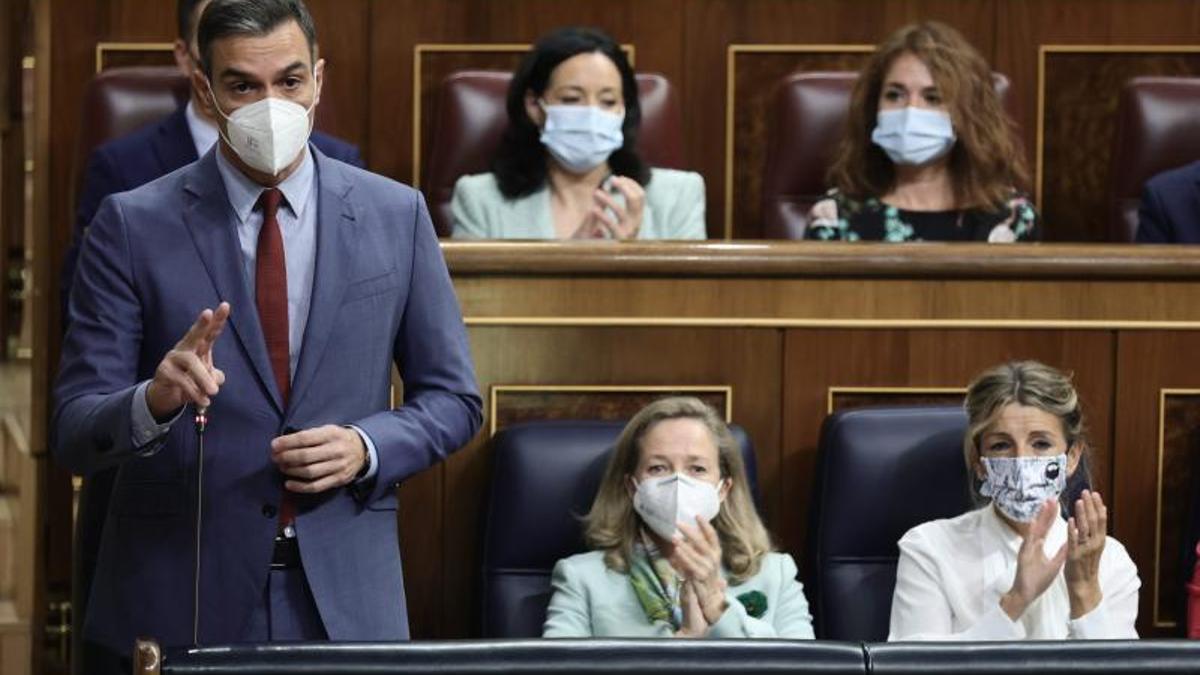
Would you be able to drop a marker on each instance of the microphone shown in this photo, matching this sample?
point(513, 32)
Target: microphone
point(201, 423)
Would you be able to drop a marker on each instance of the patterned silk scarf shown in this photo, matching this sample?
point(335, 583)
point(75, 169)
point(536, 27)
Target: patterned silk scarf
point(655, 583)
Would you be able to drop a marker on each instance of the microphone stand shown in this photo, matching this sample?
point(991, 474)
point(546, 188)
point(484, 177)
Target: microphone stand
point(201, 423)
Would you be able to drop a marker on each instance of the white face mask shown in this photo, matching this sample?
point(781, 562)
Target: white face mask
point(662, 502)
point(1019, 486)
point(581, 137)
point(913, 136)
point(269, 134)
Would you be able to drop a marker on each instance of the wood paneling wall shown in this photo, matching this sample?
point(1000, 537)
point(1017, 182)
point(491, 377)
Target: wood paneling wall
point(700, 45)
point(370, 100)
point(794, 329)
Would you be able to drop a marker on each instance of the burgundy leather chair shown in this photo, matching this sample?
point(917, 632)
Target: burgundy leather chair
point(808, 123)
point(471, 118)
point(1158, 128)
point(119, 100)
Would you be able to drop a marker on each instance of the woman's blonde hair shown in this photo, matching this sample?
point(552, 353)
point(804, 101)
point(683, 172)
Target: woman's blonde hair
point(612, 525)
point(986, 162)
point(1027, 383)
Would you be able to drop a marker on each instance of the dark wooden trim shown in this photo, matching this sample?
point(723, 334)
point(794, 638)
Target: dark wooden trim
point(825, 259)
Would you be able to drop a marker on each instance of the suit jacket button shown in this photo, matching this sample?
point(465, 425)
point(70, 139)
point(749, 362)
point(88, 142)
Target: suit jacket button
point(269, 511)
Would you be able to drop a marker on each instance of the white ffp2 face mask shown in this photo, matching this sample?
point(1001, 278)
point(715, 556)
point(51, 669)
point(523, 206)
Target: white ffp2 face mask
point(269, 134)
point(581, 137)
point(662, 502)
point(1019, 486)
point(913, 136)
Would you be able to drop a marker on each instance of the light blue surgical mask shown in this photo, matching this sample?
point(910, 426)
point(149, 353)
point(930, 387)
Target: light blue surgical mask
point(913, 136)
point(581, 137)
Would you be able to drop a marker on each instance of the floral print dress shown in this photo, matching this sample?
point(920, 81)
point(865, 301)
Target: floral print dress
point(841, 218)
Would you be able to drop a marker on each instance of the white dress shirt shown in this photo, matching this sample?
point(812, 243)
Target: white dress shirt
point(952, 573)
point(204, 133)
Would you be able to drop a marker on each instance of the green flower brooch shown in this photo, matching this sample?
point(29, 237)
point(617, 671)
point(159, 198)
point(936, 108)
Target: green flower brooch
point(754, 602)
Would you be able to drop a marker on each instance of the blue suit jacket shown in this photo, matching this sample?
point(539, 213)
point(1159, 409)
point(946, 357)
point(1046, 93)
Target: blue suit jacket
point(116, 166)
point(136, 159)
point(1170, 210)
point(154, 258)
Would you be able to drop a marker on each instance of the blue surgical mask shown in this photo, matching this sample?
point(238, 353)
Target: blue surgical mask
point(581, 137)
point(913, 136)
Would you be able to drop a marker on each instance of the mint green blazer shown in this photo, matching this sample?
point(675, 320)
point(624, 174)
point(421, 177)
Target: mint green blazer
point(674, 209)
point(591, 600)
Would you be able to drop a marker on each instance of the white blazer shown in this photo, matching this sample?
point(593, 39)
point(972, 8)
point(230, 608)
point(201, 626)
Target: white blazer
point(952, 573)
point(674, 209)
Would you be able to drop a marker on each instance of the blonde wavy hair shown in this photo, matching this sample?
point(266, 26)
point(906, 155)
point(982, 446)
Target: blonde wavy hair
point(1027, 383)
point(612, 525)
point(986, 162)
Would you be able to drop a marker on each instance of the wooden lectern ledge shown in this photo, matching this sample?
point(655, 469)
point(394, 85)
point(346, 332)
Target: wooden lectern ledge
point(825, 259)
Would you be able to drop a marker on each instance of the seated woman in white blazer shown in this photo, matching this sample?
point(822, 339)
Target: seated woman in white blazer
point(679, 550)
point(1015, 569)
point(567, 166)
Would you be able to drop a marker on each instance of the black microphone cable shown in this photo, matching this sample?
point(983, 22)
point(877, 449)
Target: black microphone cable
point(201, 423)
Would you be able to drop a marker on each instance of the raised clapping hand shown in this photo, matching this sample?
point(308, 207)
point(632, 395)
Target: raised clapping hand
point(697, 560)
point(318, 459)
point(1087, 531)
point(187, 374)
point(609, 219)
point(1081, 555)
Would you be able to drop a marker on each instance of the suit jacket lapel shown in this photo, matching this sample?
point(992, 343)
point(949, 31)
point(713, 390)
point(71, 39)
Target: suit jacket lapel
point(208, 219)
point(173, 144)
point(335, 255)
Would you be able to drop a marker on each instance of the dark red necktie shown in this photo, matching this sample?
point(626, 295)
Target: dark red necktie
point(270, 293)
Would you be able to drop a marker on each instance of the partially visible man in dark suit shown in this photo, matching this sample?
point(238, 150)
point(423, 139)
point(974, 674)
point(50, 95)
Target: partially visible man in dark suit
point(1170, 210)
point(117, 166)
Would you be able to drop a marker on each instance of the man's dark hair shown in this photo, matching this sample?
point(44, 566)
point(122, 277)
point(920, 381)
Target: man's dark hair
point(185, 11)
point(223, 18)
point(520, 161)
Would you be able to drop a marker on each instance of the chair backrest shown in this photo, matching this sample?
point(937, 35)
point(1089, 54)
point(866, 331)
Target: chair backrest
point(544, 477)
point(471, 118)
point(1044, 657)
point(664, 656)
point(1158, 128)
point(592, 656)
point(880, 472)
point(808, 123)
point(119, 100)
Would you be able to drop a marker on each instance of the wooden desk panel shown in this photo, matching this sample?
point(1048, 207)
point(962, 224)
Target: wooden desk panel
point(783, 324)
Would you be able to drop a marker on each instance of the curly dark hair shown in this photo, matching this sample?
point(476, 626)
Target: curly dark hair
point(986, 162)
point(520, 161)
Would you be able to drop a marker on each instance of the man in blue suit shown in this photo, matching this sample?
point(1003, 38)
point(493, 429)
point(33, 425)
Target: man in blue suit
point(274, 287)
point(1170, 209)
point(117, 166)
point(124, 164)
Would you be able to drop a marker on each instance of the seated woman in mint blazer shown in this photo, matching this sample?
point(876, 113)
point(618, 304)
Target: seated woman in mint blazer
point(567, 166)
point(679, 550)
